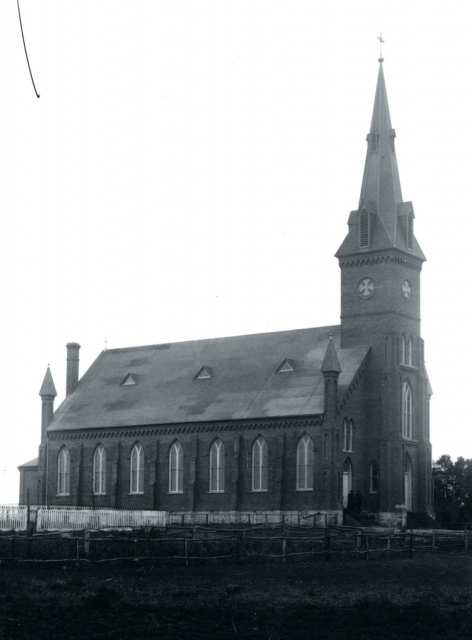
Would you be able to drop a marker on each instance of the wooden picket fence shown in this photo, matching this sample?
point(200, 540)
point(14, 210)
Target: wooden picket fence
point(13, 517)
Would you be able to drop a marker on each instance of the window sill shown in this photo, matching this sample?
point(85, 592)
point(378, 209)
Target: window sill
point(302, 490)
point(259, 490)
point(136, 493)
point(409, 440)
point(219, 491)
point(408, 367)
point(62, 495)
point(174, 493)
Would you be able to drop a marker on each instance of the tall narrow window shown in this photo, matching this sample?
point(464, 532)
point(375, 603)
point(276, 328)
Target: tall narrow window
point(351, 435)
point(345, 435)
point(63, 472)
point(409, 352)
point(374, 478)
point(259, 465)
point(99, 471)
point(364, 229)
point(176, 469)
point(402, 350)
point(410, 232)
point(136, 479)
point(305, 464)
point(407, 410)
point(325, 446)
point(217, 467)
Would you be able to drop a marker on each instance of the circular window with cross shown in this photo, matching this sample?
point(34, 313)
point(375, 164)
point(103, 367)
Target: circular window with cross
point(406, 289)
point(366, 288)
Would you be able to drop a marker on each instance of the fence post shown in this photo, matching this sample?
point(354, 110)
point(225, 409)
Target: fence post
point(87, 542)
point(358, 542)
point(328, 545)
point(284, 549)
point(366, 546)
point(186, 552)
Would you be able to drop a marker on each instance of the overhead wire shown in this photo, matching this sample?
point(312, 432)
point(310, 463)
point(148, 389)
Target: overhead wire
point(24, 44)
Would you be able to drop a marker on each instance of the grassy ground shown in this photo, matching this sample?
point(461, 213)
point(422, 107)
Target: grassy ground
point(426, 597)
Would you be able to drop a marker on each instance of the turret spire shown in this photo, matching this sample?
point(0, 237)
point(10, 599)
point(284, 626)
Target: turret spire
point(48, 388)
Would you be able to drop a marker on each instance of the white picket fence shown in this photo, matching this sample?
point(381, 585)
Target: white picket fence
point(13, 517)
point(57, 518)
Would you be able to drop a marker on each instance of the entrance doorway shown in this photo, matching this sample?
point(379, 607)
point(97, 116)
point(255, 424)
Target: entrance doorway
point(347, 481)
point(407, 476)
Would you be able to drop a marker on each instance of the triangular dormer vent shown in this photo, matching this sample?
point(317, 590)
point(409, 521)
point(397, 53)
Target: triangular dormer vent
point(286, 366)
point(205, 373)
point(130, 380)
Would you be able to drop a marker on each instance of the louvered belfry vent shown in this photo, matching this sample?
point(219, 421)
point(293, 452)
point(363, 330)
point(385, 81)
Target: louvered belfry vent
point(375, 142)
point(364, 230)
point(410, 232)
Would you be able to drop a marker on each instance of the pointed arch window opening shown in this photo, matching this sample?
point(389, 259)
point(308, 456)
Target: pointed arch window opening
point(99, 471)
point(402, 350)
point(409, 352)
point(136, 469)
point(176, 469)
point(63, 472)
point(259, 465)
point(407, 412)
point(364, 229)
point(348, 436)
point(374, 478)
point(305, 462)
point(217, 467)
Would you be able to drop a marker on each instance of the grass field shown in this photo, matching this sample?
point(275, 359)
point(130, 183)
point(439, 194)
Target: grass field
point(425, 597)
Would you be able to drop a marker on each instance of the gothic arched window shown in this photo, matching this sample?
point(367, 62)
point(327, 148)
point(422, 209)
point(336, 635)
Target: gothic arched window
point(345, 435)
point(409, 352)
point(374, 477)
point(402, 350)
point(407, 411)
point(100, 471)
point(217, 466)
point(259, 465)
point(176, 469)
point(351, 436)
point(136, 469)
point(305, 463)
point(63, 472)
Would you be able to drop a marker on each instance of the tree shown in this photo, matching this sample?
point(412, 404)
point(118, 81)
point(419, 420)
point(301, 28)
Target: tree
point(453, 489)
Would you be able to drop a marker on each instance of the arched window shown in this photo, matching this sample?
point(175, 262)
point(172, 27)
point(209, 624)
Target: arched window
point(259, 465)
point(374, 477)
point(347, 481)
point(100, 471)
point(345, 435)
point(176, 469)
point(136, 478)
point(217, 467)
point(63, 472)
point(325, 446)
point(407, 411)
point(305, 464)
point(351, 436)
point(402, 349)
point(409, 352)
point(408, 483)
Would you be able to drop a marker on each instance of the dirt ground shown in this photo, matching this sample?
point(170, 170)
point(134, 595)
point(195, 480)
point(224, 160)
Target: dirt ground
point(426, 597)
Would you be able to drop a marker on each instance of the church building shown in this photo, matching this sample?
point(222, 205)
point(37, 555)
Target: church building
point(279, 424)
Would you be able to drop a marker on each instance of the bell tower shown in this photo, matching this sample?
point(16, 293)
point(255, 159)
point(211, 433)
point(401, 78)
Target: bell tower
point(381, 263)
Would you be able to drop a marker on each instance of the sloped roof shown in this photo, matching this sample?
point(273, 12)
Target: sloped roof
point(31, 463)
point(244, 385)
point(48, 388)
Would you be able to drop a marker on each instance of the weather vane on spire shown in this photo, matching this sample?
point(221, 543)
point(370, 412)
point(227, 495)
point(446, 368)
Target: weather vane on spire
point(382, 41)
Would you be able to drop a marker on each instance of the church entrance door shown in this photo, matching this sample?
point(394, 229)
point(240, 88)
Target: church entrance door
point(347, 481)
point(408, 501)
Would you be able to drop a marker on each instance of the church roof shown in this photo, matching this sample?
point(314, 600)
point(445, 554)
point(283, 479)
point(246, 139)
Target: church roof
point(246, 381)
point(31, 463)
point(48, 388)
point(381, 193)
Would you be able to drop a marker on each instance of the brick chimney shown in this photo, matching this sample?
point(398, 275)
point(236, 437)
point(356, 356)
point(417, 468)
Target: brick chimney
point(72, 367)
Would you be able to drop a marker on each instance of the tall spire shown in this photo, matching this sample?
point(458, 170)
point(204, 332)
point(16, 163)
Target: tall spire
point(381, 182)
point(383, 220)
point(48, 388)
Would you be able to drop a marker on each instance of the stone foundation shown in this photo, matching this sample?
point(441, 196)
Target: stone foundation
point(251, 518)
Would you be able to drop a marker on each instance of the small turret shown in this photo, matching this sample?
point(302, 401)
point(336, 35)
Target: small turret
point(48, 394)
point(331, 370)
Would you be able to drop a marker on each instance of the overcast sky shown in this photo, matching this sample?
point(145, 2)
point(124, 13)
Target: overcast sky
point(189, 170)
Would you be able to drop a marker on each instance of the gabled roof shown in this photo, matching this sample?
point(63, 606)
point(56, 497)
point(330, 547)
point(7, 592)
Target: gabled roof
point(31, 463)
point(381, 193)
point(48, 388)
point(246, 386)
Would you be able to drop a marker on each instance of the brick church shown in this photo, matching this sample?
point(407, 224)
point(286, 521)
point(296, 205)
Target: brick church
point(277, 423)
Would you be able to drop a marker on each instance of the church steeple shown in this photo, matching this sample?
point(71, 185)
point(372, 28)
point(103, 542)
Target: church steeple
point(383, 220)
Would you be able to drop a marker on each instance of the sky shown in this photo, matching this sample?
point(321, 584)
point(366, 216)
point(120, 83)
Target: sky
point(189, 169)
